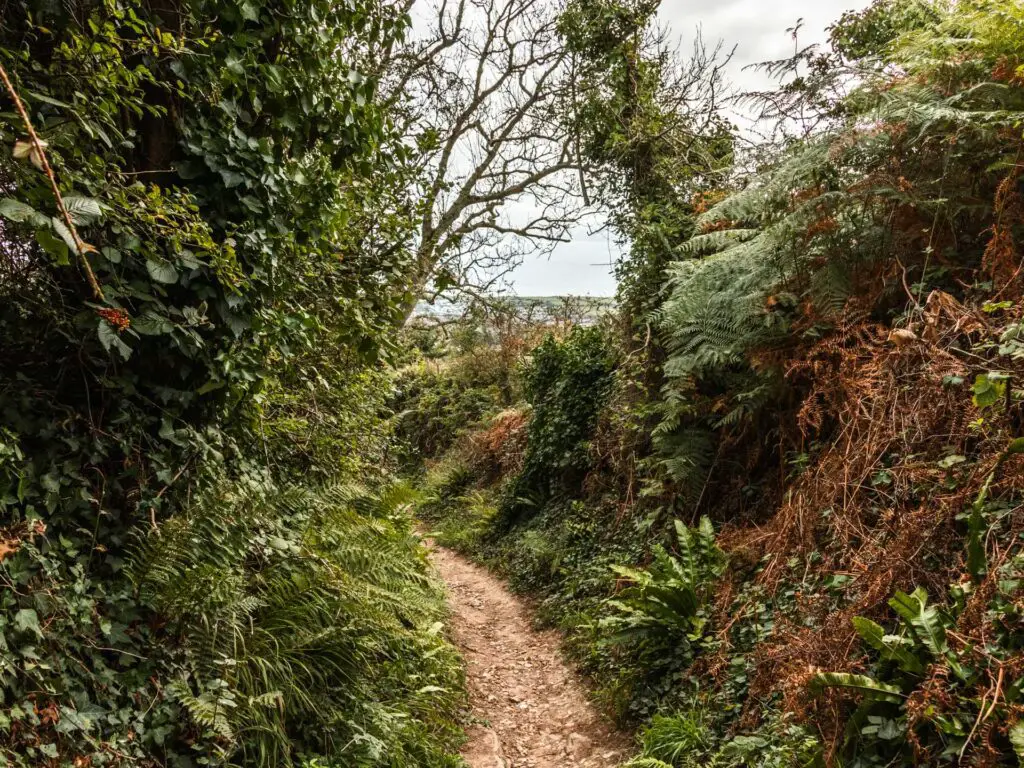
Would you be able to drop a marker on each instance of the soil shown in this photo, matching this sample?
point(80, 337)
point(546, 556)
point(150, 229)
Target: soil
point(528, 709)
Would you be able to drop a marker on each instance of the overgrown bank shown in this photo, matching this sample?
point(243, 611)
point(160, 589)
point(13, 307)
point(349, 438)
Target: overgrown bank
point(778, 514)
point(201, 260)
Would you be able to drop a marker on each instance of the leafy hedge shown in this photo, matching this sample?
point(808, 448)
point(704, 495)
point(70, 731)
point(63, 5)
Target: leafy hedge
point(566, 384)
point(230, 263)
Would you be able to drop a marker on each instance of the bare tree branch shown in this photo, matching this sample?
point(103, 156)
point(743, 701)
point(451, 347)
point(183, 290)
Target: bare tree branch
point(479, 87)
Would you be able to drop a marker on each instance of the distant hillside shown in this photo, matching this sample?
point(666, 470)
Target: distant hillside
point(589, 308)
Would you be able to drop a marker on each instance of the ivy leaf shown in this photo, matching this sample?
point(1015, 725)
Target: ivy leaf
point(162, 271)
point(989, 389)
point(110, 340)
point(50, 750)
point(231, 178)
point(27, 620)
point(234, 64)
point(249, 11)
point(81, 719)
point(17, 211)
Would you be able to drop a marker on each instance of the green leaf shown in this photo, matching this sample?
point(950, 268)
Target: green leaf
point(231, 178)
point(81, 719)
point(234, 64)
point(83, 210)
point(210, 386)
point(54, 246)
point(110, 339)
point(868, 686)
point(989, 389)
point(1017, 740)
point(149, 323)
point(977, 561)
point(924, 621)
point(249, 11)
point(687, 553)
point(27, 620)
point(162, 271)
point(891, 648)
point(19, 212)
point(65, 234)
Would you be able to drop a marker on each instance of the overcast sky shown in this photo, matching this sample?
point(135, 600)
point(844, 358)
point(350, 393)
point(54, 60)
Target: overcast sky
point(758, 30)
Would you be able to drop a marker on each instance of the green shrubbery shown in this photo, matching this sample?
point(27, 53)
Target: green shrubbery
point(190, 366)
point(435, 407)
point(566, 384)
point(310, 627)
point(830, 365)
point(687, 741)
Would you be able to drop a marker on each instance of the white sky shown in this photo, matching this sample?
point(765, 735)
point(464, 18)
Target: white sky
point(758, 30)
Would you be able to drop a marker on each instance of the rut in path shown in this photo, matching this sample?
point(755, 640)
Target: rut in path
point(529, 710)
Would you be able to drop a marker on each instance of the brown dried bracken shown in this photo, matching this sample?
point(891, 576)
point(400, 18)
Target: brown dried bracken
point(500, 447)
point(901, 337)
point(1000, 258)
point(882, 395)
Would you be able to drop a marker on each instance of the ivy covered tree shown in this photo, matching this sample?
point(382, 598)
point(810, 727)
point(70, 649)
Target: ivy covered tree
point(656, 150)
point(650, 131)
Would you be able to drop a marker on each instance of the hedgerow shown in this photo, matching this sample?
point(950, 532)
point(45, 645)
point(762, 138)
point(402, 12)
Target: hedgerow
point(198, 272)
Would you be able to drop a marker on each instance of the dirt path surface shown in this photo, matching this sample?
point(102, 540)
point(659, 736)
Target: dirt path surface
point(530, 710)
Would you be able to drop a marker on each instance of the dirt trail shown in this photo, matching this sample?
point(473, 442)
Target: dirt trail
point(530, 709)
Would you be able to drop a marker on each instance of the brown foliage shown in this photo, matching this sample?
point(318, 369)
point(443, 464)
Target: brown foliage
point(498, 449)
point(1000, 260)
point(883, 404)
point(13, 537)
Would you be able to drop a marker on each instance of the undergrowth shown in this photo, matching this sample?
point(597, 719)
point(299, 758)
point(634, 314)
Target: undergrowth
point(779, 517)
point(304, 604)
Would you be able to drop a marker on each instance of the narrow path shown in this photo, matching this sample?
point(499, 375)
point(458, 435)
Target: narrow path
point(530, 710)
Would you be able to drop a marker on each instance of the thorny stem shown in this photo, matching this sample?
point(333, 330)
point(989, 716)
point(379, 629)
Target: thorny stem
point(37, 145)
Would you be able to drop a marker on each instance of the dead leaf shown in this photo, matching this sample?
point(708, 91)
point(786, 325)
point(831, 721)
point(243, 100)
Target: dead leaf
point(901, 337)
point(8, 547)
point(27, 149)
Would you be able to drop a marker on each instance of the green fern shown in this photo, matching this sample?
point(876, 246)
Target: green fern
point(297, 609)
point(891, 647)
point(664, 601)
point(1017, 740)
